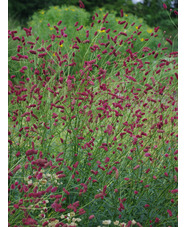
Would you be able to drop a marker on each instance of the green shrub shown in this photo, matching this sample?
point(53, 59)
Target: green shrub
point(68, 15)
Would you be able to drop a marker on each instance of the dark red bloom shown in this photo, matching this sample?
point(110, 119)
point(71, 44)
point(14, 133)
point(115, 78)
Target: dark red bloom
point(169, 212)
point(29, 221)
point(121, 11)
point(81, 5)
point(164, 6)
point(168, 40)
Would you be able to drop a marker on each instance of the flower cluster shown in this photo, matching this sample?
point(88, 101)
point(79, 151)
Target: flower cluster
point(92, 126)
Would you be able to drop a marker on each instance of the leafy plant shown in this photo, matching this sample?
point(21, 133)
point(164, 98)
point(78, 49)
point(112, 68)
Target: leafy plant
point(92, 122)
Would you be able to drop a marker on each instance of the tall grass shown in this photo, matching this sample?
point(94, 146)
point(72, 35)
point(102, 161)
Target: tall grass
point(92, 122)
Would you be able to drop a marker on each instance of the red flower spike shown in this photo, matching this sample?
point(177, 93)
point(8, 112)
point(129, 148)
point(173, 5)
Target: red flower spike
point(81, 211)
point(129, 224)
point(121, 11)
point(29, 221)
point(81, 5)
point(157, 220)
point(16, 168)
point(169, 41)
point(136, 167)
point(164, 6)
point(91, 217)
point(107, 159)
point(169, 212)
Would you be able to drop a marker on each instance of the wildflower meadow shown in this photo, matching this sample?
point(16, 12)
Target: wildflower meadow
point(92, 121)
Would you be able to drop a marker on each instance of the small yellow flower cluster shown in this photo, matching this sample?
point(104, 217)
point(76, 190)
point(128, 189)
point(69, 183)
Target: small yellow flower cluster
point(42, 12)
point(149, 30)
point(101, 30)
point(142, 39)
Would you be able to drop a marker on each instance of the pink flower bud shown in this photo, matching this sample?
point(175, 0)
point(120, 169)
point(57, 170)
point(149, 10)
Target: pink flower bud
point(91, 217)
point(164, 6)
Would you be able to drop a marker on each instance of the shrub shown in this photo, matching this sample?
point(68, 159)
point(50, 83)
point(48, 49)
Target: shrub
point(92, 126)
point(43, 22)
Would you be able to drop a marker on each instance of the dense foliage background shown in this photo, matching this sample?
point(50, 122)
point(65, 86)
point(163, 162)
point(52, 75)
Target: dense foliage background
point(92, 120)
point(150, 10)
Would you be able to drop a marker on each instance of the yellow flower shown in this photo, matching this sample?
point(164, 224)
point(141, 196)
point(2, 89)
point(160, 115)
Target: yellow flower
point(117, 20)
point(101, 30)
point(136, 27)
point(51, 28)
point(142, 39)
point(100, 9)
point(126, 15)
point(42, 12)
point(61, 45)
point(149, 30)
point(54, 54)
point(73, 9)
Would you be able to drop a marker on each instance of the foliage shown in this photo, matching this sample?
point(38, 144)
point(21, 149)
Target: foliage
point(44, 22)
point(92, 122)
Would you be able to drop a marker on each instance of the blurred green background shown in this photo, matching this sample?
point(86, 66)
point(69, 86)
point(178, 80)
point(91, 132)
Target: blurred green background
point(21, 11)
